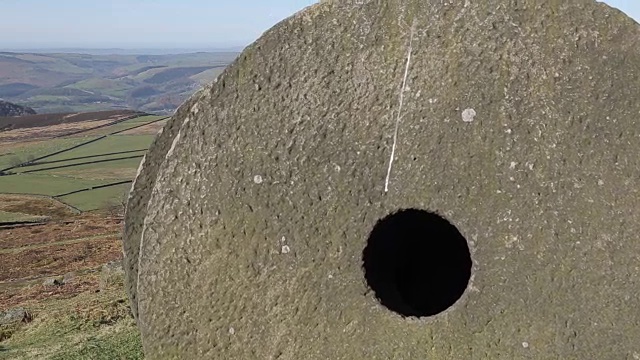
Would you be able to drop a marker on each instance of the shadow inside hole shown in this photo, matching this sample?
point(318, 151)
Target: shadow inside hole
point(417, 263)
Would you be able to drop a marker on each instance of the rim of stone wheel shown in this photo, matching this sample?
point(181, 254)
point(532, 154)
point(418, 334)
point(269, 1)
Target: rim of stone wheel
point(401, 179)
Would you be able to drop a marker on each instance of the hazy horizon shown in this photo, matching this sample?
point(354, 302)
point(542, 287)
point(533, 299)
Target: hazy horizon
point(122, 51)
point(161, 26)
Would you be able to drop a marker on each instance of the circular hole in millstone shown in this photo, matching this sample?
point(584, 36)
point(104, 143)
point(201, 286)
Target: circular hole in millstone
point(417, 263)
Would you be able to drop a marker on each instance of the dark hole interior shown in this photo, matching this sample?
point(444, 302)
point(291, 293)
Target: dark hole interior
point(417, 263)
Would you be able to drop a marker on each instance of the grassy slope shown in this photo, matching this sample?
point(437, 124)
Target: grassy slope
point(42, 184)
point(87, 324)
point(91, 325)
point(106, 146)
point(6, 216)
point(71, 176)
point(99, 198)
point(9, 152)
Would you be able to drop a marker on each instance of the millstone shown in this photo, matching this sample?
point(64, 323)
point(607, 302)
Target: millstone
point(401, 180)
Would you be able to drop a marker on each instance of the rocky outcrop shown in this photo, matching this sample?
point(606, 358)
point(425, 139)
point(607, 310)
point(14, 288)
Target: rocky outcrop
point(8, 109)
point(401, 179)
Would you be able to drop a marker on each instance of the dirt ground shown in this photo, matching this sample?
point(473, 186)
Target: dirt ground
point(14, 296)
point(35, 205)
point(46, 120)
point(47, 132)
point(84, 316)
point(80, 227)
point(58, 259)
point(68, 243)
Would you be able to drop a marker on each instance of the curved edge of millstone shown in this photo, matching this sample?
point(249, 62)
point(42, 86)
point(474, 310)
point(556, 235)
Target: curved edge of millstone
point(140, 192)
point(145, 180)
point(143, 185)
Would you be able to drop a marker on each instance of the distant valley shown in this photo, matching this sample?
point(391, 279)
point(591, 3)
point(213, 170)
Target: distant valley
point(64, 82)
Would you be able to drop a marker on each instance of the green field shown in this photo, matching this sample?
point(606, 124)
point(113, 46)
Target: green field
point(42, 184)
point(13, 216)
point(94, 320)
point(112, 159)
point(99, 198)
point(124, 169)
point(9, 154)
point(108, 145)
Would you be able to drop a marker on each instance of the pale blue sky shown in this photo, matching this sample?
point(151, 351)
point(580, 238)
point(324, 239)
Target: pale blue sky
point(153, 23)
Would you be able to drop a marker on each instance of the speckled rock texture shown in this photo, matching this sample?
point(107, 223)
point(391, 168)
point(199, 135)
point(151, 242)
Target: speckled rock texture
point(139, 197)
point(518, 121)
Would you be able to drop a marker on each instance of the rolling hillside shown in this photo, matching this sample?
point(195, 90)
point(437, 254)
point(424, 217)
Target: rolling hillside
point(51, 83)
point(64, 179)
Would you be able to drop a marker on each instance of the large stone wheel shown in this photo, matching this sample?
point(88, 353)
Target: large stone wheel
point(401, 180)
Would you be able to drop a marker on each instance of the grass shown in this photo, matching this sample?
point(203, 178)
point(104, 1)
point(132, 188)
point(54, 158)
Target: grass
point(43, 184)
point(74, 169)
point(9, 152)
point(108, 145)
point(71, 178)
point(91, 325)
point(99, 150)
point(111, 87)
point(123, 125)
point(112, 79)
point(51, 185)
point(144, 119)
point(99, 198)
point(33, 206)
point(90, 319)
point(6, 216)
point(109, 171)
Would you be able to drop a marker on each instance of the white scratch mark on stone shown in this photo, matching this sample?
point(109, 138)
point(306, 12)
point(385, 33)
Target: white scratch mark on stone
point(140, 167)
point(232, 331)
point(173, 146)
point(133, 184)
point(525, 345)
point(257, 179)
point(402, 90)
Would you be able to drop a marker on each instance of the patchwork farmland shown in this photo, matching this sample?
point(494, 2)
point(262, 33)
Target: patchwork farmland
point(88, 169)
point(64, 179)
